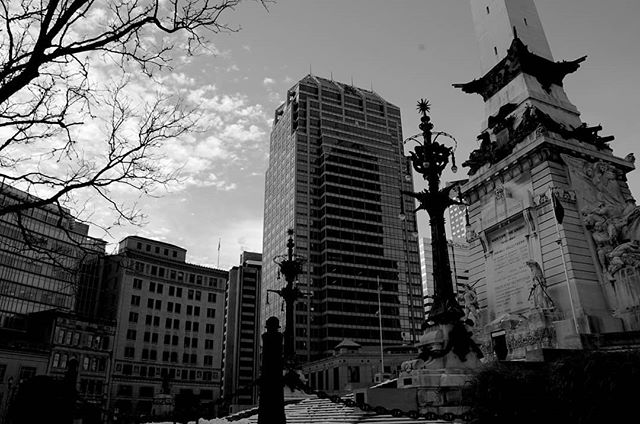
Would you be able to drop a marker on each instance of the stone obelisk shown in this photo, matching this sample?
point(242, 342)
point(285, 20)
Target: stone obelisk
point(552, 224)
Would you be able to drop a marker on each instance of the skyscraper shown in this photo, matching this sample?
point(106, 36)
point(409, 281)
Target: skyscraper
point(47, 261)
point(335, 176)
point(241, 354)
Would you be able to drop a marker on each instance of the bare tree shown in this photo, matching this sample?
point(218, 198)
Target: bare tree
point(47, 94)
point(65, 131)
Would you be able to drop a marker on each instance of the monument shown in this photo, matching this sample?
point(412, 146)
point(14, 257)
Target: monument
point(553, 227)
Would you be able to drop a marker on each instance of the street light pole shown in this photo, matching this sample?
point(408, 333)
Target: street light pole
point(290, 266)
point(429, 159)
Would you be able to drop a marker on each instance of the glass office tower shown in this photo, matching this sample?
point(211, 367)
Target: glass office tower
point(336, 174)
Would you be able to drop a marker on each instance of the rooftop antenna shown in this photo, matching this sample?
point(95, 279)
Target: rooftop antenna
point(310, 70)
point(372, 85)
point(331, 76)
point(351, 80)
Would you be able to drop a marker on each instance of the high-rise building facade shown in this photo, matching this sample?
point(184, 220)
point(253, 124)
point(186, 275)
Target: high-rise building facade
point(336, 175)
point(169, 317)
point(47, 261)
point(458, 259)
point(241, 354)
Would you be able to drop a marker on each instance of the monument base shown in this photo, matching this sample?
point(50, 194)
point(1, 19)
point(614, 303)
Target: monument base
point(440, 377)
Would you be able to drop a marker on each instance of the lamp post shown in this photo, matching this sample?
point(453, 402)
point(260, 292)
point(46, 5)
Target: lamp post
point(429, 159)
point(290, 266)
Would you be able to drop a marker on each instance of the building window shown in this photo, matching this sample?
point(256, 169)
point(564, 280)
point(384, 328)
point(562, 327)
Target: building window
point(190, 294)
point(211, 313)
point(131, 334)
point(179, 292)
point(211, 297)
point(129, 352)
point(196, 311)
point(198, 295)
point(137, 284)
point(354, 374)
point(169, 306)
point(152, 286)
point(167, 323)
point(189, 310)
point(187, 342)
point(187, 326)
point(146, 337)
point(148, 320)
point(208, 360)
point(196, 326)
point(154, 338)
point(133, 317)
point(156, 321)
point(177, 308)
point(172, 290)
point(174, 340)
point(135, 300)
point(174, 253)
point(125, 390)
point(159, 305)
point(56, 362)
point(145, 354)
point(208, 344)
point(167, 339)
point(209, 329)
point(159, 290)
point(150, 302)
point(176, 324)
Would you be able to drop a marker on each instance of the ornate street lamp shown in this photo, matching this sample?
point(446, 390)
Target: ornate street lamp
point(429, 159)
point(290, 266)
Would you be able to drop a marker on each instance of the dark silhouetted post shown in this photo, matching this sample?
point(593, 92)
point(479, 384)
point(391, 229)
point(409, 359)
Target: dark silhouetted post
point(271, 402)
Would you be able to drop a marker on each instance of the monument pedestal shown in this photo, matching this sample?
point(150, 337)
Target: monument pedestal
point(440, 374)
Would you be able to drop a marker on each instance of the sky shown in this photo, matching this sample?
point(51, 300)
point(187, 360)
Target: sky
point(403, 49)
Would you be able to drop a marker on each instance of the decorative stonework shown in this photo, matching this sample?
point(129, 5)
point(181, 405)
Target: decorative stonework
point(520, 60)
point(609, 215)
point(507, 130)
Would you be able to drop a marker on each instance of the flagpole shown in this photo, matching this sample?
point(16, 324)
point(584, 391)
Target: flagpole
point(380, 325)
point(219, 239)
point(564, 263)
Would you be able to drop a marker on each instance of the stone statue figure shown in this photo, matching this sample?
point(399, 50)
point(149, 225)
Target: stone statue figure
point(626, 254)
point(611, 217)
point(469, 300)
point(541, 299)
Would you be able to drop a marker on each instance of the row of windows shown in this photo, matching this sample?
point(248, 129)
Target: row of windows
point(172, 274)
point(157, 372)
point(87, 362)
point(171, 307)
point(75, 338)
point(174, 291)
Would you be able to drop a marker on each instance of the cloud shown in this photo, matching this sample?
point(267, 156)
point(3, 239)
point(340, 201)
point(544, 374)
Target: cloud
point(268, 81)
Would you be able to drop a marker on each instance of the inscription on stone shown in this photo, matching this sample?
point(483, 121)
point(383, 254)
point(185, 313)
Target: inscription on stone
point(510, 274)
